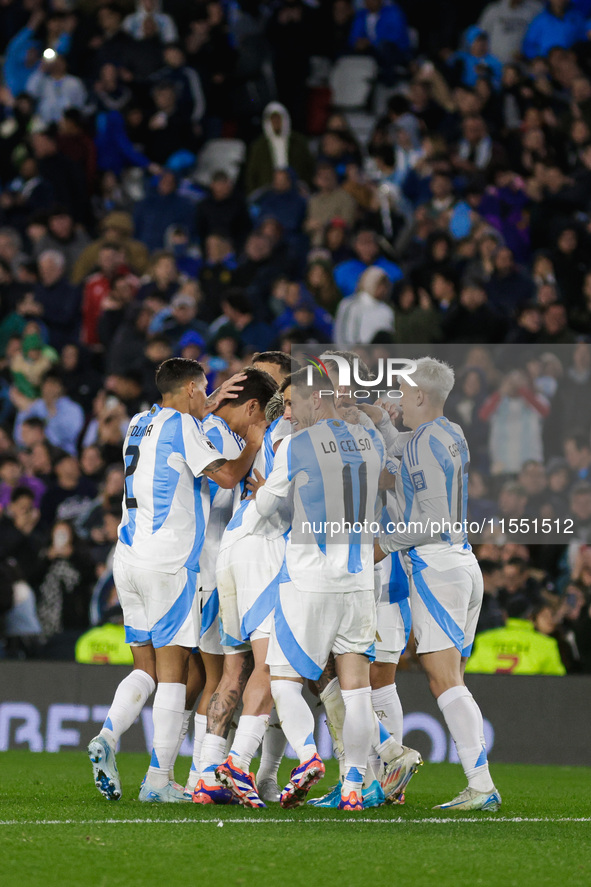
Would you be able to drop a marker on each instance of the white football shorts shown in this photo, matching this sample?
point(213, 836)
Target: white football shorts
point(210, 640)
point(309, 625)
point(246, 576)
point(445, 605)
point(393, 630)
point(158, 608)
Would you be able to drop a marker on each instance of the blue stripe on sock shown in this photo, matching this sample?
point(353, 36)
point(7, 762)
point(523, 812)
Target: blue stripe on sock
point(108, 725)
point(154, 762)
point(310, 740)
point(354, 775)
point(482, 759)
point(383, 733)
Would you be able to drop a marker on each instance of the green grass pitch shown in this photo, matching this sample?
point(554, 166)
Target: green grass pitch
point(55, 829)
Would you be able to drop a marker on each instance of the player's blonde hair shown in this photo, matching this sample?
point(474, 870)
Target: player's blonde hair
point(435, 377)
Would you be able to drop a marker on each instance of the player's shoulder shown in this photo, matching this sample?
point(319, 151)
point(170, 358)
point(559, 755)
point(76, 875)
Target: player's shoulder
point(419, 443)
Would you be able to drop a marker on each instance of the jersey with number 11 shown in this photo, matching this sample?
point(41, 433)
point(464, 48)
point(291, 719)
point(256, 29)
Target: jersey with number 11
point(164, 509)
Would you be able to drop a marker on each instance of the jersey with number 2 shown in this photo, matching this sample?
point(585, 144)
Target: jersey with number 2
point(164, 509)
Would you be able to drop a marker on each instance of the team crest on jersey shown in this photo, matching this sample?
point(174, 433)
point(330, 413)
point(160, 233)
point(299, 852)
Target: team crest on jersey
point(418, 479)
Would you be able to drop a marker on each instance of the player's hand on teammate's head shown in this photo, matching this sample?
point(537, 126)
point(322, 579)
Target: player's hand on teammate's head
point(228, 390)
point(254, 482)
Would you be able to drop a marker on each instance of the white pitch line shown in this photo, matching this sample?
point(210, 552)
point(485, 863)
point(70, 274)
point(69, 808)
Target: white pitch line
point(397, 821)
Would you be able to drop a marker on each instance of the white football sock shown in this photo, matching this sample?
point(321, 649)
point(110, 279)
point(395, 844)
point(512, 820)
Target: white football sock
point(274, 743)
point(249, 735)
point(297, 721)
point(130, 697)
point(386, 704)
point(213, 752)
point(167, 713)
point(200, 726)
point(358, 732)
point(464, 722)
point(334, 707)
point(384, 744)
point(184, 730)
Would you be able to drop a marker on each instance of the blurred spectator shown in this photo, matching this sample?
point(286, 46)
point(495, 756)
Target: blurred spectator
point(360, 316)
point(12, 477)
point(70, 496)
point(506, 23)
point(59, 299)
point(116, 229)
point(55, 90)
point(515, 414)
point(22, 538)
point(491, 616)
point(516, 648)
point(366, 254)
point(64, 236)
point(381, 30)
point(63, 417)
point(223, 211)
point(277, 148)
point(164, 207)
point(328, 202)
point(559, 24)
point(64, 594)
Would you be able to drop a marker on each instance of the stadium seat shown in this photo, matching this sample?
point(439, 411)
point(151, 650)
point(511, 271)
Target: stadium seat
point(220, 154)
point(351, 81)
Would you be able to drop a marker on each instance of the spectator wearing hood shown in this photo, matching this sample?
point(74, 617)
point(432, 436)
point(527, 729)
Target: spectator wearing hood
point(559, 24)
point(116, 228)
point(506, 23)
point(367, 312)
point(277, 148)
point(475, 61)
point(160, 209)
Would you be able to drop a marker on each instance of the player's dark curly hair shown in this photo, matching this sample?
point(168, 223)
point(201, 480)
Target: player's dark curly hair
point(174, 372)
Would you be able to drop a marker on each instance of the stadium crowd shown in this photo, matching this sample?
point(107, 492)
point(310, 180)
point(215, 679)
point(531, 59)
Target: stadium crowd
point(195, 179)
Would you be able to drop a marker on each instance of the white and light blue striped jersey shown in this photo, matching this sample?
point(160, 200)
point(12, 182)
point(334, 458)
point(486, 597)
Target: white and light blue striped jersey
point(394, 578)
point(164, 511)
point(246, 521)
point(222, 503)
point(330, 472)
point(432, 495)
